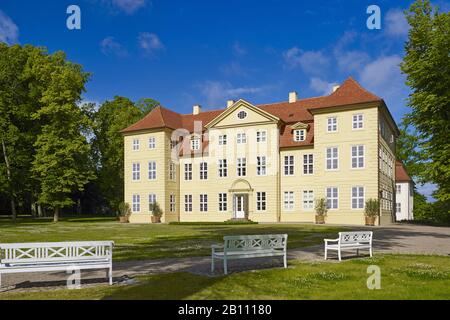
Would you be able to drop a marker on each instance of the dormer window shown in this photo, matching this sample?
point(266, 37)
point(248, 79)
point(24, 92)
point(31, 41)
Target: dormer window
point(195, 143)
point(242, 115)
point(299, 135)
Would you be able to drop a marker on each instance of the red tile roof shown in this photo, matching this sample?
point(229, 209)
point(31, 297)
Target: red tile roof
point(400, 173)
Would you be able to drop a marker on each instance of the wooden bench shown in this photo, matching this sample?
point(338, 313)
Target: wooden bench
point(252, 246)
point(350, 241)
point(56, 256)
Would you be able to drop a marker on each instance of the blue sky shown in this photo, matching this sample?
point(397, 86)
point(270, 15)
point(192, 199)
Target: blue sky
point(206, 52)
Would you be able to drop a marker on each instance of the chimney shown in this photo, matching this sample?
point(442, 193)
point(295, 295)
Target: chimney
point(293, 97)
point(196, 109)
point(335, 88)
point(230, 103)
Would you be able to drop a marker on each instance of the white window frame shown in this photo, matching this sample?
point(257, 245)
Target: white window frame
point(261, 166)
point(261, 201)
point(203, 170)
point(332, 199)
point(289, 165)
point(333, 126)
point(241, 112)
point(223, 140)
point(136, 145)
point(261, 136)
point(203, 203)
point(152, 143)
point(308, 164)
point(222, 168)
point(195, 144)
point(188, 203)
point(299, 135)
point(398, 207)
point(398, 189)
point(172, 203)
point(136, 171)
point(223, 202)
point(136, 203)
point(151, 201)
point(172, 171)
point(359, 205)
point(332, 159)
point(358, 157)
point(152, 170)
point(241, 167)
point(308, 200)
point(241, 138)
point(188, 172)
point(288, 201)
point(358, 121)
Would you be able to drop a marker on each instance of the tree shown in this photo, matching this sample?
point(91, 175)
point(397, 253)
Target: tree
point(409, 153)
point(61, 162)
point(427, 67)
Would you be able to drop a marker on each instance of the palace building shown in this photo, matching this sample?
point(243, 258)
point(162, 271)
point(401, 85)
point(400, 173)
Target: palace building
point(266, 163)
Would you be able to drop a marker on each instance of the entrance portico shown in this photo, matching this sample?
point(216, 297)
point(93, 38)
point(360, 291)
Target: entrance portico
point(241, 192)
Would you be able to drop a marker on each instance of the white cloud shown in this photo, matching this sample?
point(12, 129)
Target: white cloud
point(427, 190)
point(150, 43)
point(129, 6)
point(395, 23)
point(9, 32)
point(351, 61)
point(234, 69)
point(321, 86)
point(109, 46)
point(383, 73)
point(239, 50)
point(216, 92)
point(313, 62)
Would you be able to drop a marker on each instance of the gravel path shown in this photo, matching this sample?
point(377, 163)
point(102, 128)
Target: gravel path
point(405, 239)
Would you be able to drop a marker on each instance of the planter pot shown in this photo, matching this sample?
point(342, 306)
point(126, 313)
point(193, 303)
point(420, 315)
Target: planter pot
point(320, 219)
point(156, 219)
point(123, 219)
point(370, 221)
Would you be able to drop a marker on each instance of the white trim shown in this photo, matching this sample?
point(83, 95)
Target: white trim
point(326, 196)
point(358, 121)
point(337, 125)
point(357, 156)
point(326, 164)
point(149, 170)
point(357, 198)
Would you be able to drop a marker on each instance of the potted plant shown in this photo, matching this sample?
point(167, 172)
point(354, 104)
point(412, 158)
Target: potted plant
point(156, 213)
point(371, 211)
point(124, 212)
point(321, 210)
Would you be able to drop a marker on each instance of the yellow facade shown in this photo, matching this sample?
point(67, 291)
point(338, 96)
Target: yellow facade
point(275, 182)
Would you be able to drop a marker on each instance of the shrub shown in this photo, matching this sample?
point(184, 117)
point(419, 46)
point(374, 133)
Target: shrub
point(372, 208)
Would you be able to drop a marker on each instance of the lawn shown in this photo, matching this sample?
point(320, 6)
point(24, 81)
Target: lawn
point(402, 277)
point(151, 241)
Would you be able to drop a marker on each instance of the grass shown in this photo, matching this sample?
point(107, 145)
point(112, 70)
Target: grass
point(153, 241)
point(402, 277)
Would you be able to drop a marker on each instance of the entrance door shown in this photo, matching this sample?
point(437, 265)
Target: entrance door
point(240, 206)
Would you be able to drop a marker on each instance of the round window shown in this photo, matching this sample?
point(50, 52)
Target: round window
point(242, 114)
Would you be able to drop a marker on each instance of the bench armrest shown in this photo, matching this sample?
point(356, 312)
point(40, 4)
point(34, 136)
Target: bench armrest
point(217, 246)
point(331, 240)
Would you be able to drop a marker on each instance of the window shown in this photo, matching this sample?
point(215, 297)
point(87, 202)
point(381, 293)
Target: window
point(223, 140)
point(357, 157)
point(398, 207)
point(188, 202)
point(136, 144)
point(242, 115)
point(136, 203)
point(289, 165)
point(357, 197)
point(151, 201)
point(172, 204)
point(151, 143)
point(241, 138)
point(223, 168)
point(222, 202)
point(332, 124)
point(288, 200)
point(261, 136)
point(173, 144)
point(136, 171)
point(332, 198)
point(358, 121)
point(261, 201)
point(188, 171)
point(203, 171)
point(299, 135)
point(241, 167)
point(308, 164)
point(195, 144)
point(308, 200)
point(261, 166)
point(332, 158)
point(172, 170)
point(398, 188)
point(203, 202)
point(152, 170)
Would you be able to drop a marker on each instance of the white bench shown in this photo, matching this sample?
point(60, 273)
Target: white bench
point(253, 246)
point(56, 256)
point(350, 241)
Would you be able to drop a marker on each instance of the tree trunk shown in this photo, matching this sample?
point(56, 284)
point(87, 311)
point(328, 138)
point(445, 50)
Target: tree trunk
point(33, 210)
point(8, 174)
point(56, 215)
point(39, 210)
point(79, 206)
